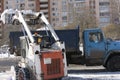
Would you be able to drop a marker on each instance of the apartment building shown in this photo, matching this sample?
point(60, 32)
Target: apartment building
point(75, 8)
point(1, 5)
point(104, 13)
point(115, 11)
point(1, 24)
point(14, 4)
point(100, 9)
point(59, 12)
point(30, 5)
point(20, 4)
point(43, 6)
point(64, 12)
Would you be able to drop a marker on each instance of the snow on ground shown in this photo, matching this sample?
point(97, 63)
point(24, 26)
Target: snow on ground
point(6, 71)
point(8, 75)
point(75, 72)
point(101, 76)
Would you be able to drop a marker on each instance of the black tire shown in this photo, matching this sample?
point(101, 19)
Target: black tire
point(113, 64)
point(23, 74)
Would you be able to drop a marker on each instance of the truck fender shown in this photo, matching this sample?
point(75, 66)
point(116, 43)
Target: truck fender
point(109, 55)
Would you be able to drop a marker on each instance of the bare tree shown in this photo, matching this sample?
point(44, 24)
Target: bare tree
point(10, 28)
point(114, 28)
point(115, 11)
point(111, 31)
point(82, 16)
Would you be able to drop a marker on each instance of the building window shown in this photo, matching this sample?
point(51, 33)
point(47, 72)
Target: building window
point(31, 0)
point(105, 19)
point(43, 8)
point(53, 3)
point(6, 2)
point(105, 14)
point(54, 24)
point(53, 14)
point(53, 19)
point(64, 18)
point(64, 8)
point(104, 3)
point(63, 2)
point(17, 1)
point(22, 5)
point(31, 5)
point(53, 9)
point(6, 7)
point(57, 19)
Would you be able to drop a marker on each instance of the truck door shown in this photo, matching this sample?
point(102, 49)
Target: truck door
point(95, 48)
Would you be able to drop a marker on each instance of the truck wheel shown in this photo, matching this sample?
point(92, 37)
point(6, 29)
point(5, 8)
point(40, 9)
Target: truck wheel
point(113, 63)
point(23, 74)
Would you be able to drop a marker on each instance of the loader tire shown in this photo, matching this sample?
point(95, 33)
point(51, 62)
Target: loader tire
point(16, 71)
point(23, 74)
point(113, 64)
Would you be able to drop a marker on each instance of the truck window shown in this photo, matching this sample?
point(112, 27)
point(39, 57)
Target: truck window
point(95, 37)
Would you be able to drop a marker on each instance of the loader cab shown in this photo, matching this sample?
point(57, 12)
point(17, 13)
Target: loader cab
point(94, 46)
point(43, 40)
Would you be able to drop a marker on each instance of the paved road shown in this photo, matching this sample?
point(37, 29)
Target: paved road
point(6, 63)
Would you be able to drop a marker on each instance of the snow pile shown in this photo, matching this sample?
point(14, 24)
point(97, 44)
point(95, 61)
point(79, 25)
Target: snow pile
point(8, 75)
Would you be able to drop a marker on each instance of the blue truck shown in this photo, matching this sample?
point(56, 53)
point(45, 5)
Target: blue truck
point(97, 50)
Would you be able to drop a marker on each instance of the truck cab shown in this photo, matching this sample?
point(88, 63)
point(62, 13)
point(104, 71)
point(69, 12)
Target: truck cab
point(100, 51)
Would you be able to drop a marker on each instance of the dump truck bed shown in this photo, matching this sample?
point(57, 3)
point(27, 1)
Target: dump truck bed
point(69, 36)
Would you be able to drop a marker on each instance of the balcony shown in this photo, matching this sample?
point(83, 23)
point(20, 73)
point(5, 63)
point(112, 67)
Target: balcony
point(79, 0)
point(31, 0)
point(64, 13)
point(43, 0)
point(104, 9)
point(103, 0)
point(44, 5)
point(44, 11)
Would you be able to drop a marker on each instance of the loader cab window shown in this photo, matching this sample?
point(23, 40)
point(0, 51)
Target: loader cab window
point(95, 37)
point(43, 40)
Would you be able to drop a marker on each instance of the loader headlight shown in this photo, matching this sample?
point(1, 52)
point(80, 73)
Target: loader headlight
point(39, 40)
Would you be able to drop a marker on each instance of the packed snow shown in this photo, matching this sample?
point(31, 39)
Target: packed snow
point(80, 72)
point(8, 75)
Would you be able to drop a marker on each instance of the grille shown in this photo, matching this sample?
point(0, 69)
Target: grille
point(54, 67)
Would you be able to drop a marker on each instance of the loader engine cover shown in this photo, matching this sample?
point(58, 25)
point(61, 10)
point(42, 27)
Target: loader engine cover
point(52, 64)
